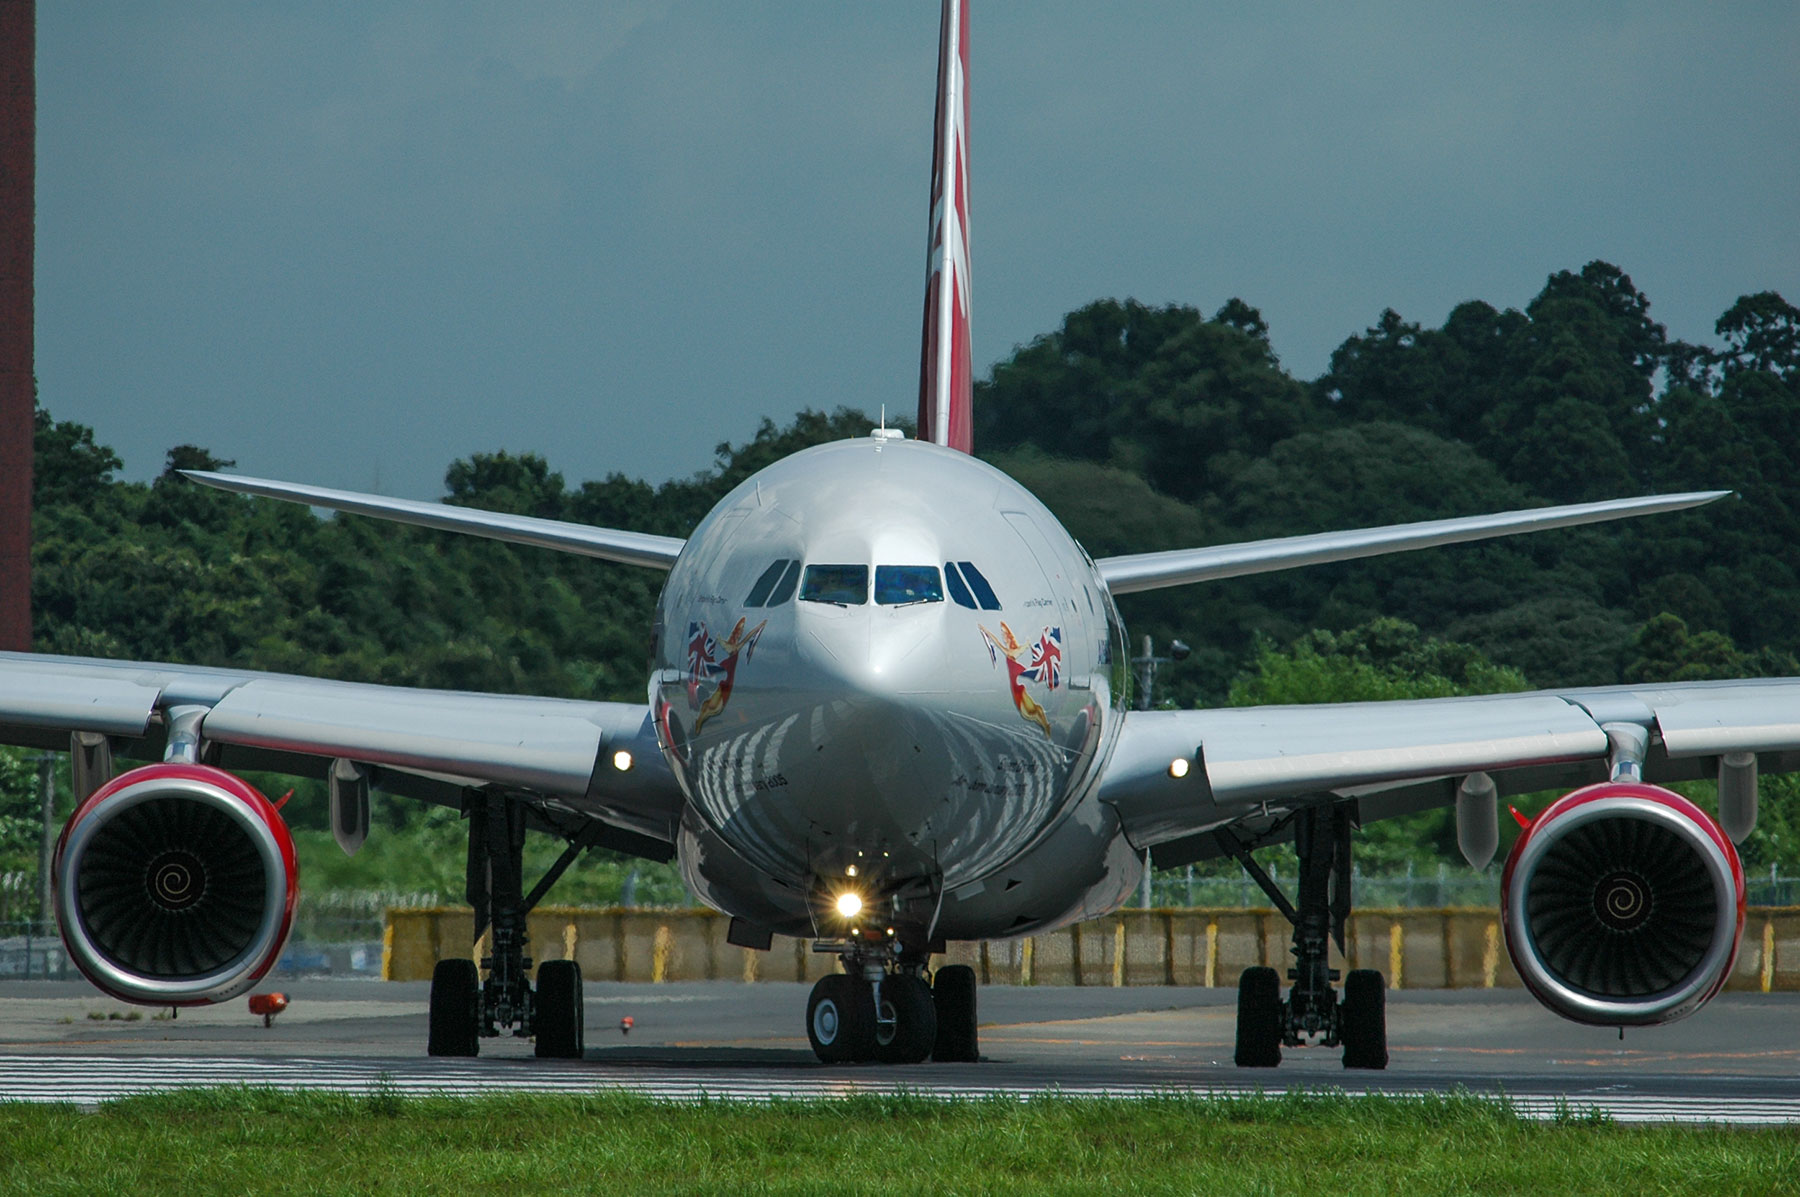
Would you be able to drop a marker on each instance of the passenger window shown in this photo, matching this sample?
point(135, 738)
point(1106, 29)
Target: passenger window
point(760, 592)
point(984, 593)
point(784, 590)
point(899, 585)
point(959, 590)
point(840, 584)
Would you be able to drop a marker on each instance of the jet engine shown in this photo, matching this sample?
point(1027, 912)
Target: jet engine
point(175, 885)
point(1623, 905)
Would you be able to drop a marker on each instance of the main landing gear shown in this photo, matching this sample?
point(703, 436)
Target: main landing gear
point(1313, 1012)
point(882, 1008)
point(464, 1009)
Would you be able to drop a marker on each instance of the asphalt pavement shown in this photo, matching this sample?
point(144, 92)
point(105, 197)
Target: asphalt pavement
point(1737, 1059)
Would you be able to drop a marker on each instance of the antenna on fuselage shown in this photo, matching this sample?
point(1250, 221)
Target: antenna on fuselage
point(884, 434)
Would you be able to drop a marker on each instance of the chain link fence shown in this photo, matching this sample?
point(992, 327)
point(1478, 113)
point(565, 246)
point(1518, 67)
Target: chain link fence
point(1416, 889)
point(339, 932)
point(336, 933)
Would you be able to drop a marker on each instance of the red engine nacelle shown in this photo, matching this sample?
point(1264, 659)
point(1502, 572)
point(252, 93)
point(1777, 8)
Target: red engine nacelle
point(175, 885)
point(1623, 905)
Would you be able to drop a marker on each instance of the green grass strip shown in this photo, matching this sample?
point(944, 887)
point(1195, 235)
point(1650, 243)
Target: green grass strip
point(235, 1141)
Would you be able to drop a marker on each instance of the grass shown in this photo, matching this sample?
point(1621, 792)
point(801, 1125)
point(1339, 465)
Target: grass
point(234, 1141)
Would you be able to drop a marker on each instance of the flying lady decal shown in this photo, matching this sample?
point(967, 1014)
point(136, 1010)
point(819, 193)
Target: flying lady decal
point(712, 666)
point(1042, 663)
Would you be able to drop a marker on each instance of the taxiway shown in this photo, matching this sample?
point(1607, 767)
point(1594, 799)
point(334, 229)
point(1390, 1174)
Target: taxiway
point(1735, 1061)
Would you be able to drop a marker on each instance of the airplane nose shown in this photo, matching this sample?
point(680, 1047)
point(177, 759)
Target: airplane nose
point(874, 652)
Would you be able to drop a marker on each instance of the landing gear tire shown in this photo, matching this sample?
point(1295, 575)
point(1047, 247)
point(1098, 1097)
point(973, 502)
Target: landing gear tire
point(840, 1020)
point(561, 1021)
point(455, 1009)
point(953, 993)
point(906, 1024)
point(1362, 1019)
point(1259, 1019)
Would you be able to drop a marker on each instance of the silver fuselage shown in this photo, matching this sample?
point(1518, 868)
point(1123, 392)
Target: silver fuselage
point(945, 750)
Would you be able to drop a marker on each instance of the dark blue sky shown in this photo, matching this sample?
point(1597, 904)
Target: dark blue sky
point(348, 243)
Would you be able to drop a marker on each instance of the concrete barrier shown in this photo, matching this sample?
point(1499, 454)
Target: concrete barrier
point(1415, 949)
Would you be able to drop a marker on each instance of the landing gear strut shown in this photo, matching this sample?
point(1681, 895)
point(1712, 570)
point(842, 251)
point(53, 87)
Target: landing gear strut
point(1313, 1011)
point(464, 1009)
point(881, 1008)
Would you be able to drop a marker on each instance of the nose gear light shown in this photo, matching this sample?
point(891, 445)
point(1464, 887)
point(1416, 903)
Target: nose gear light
point(849, 904)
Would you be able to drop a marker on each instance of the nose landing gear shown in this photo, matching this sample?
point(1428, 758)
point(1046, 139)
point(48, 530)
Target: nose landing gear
point(882, 1009)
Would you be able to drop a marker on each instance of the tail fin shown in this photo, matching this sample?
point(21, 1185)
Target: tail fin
point(946, 378)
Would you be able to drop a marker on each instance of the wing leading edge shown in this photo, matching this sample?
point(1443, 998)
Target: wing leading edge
point(1412, 754)
point(1178, 567)
point(562, 750)
point(610, 544)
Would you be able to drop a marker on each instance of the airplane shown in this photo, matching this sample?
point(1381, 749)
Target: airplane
point(889, 706)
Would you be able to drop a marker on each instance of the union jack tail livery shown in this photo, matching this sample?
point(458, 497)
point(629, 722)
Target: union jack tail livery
point(946, 378)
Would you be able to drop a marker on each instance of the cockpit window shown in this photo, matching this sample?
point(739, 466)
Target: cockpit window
point(759, 593)
point(983, 592)
point(900, 584)
point(959, 590)
point(841, 584)
point(784, 589)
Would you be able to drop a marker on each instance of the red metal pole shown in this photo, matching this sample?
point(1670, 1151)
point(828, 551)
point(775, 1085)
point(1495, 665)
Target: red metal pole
point(18, 177)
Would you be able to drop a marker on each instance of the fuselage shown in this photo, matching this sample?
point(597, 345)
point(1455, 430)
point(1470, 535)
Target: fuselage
point(883, 664)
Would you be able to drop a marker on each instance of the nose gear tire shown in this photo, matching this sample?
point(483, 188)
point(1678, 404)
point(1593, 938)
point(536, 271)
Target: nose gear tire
point(840, 1020)
point(906, 1024)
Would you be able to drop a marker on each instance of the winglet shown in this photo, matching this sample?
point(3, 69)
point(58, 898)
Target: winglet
point(946, 377)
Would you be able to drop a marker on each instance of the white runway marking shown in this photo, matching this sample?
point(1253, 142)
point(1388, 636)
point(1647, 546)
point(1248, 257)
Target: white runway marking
point(87, 1081)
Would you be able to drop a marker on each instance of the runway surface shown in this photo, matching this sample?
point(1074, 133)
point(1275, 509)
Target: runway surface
point(1737, 1061)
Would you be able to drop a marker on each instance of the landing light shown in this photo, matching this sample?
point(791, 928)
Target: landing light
point(849, 905)
point(622, 760)
point(1178, 768)
point(850, 872)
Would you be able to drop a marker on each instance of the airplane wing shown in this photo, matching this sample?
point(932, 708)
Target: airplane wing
point(429, 744)
point(1249, 764)
point(1177, 567)
point(610, 544)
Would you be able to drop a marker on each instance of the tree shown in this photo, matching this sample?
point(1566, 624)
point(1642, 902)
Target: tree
point(1553, 639)
point(192, 457)
point(1383, 660)
point(1161, 391)
point(1762, 333)
point(1664, 650)
point(69, 467)
point(20, 828)
point(521, 485)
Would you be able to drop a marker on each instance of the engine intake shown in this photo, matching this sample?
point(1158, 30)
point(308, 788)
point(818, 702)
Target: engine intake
point(1623, 905)
point(175, 885)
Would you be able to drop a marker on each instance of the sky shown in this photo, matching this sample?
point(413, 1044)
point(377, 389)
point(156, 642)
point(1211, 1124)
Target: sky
point(347, 243)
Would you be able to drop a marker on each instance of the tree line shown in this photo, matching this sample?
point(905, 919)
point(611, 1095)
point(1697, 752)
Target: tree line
point(1142, 428)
